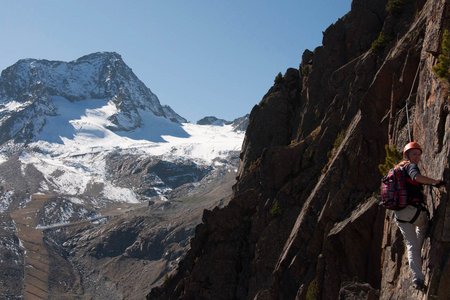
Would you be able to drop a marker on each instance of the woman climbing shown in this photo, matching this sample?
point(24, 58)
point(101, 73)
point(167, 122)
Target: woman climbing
point(413, 219)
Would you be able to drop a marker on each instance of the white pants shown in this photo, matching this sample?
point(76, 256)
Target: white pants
point(413, 235)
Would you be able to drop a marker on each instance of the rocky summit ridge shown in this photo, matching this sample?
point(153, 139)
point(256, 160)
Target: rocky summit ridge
point(304, 220)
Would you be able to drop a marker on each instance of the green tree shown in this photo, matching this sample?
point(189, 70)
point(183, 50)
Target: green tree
point(396, 6)
point(312, 293)
point(442, 68)
point(275, 211)
point(380, 42)
point(278, 78)
point(393, 157)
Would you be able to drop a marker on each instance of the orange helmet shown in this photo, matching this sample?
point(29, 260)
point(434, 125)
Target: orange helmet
point(411, 145)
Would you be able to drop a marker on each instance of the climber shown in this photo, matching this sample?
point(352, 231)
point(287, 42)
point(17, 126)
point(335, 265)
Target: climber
point(413, 219)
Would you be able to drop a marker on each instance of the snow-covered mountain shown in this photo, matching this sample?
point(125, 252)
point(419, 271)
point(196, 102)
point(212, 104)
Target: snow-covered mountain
point(33, 91)
point(93, 169)
point(86, 146)
point(73, 120)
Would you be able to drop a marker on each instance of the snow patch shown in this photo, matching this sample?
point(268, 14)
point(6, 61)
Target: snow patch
point(13, 106)
point(62, 212)
point(43, 187)
point(75, 200)
point(115, 193)
point(67, 122)
point(5, 201)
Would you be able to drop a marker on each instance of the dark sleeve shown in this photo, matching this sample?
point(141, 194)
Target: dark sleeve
point(412, 170)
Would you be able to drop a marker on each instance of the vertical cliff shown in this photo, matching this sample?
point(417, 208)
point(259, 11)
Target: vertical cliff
point(304, 222)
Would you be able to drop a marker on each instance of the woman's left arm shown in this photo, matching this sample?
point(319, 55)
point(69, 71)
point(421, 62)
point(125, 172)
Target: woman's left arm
point(426, 180)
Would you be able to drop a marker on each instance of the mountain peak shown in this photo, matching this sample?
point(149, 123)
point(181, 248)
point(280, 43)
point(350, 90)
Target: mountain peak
point(238, 124)
point(37, 84)
point(100, 57)
point(100, 54)
point(211, 120)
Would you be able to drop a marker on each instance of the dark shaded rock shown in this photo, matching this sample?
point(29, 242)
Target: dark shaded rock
point(211, 120)
point(270, 122)
point(239, 124)
point(303, 223)
point(358, 291)
point(151, 175)
point(12, 259)
point(115, 241)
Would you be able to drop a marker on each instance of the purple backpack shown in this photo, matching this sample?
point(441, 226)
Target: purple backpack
point(393, 189)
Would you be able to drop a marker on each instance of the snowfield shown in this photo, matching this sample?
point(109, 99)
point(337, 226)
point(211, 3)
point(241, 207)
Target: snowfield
point(83, 127)
point(93, 110)
point(71, 148)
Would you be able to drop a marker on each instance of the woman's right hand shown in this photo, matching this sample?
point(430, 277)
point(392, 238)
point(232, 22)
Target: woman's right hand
point(439, 183)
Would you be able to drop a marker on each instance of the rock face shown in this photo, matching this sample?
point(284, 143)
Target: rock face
point(304, 221)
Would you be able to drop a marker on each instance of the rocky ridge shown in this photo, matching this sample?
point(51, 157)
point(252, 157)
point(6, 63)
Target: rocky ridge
point(239, 124)
point(304, 220)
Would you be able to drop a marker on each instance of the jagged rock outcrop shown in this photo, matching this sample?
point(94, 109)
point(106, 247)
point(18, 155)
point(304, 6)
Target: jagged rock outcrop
point(241, 123)
point(211, 120)
point(238, 124)
point(304, 221)
point(152, 175)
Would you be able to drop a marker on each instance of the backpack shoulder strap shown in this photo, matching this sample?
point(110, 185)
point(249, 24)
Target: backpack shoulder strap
point(403, 168)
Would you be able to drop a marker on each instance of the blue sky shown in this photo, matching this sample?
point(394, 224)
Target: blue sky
point(201, 57)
